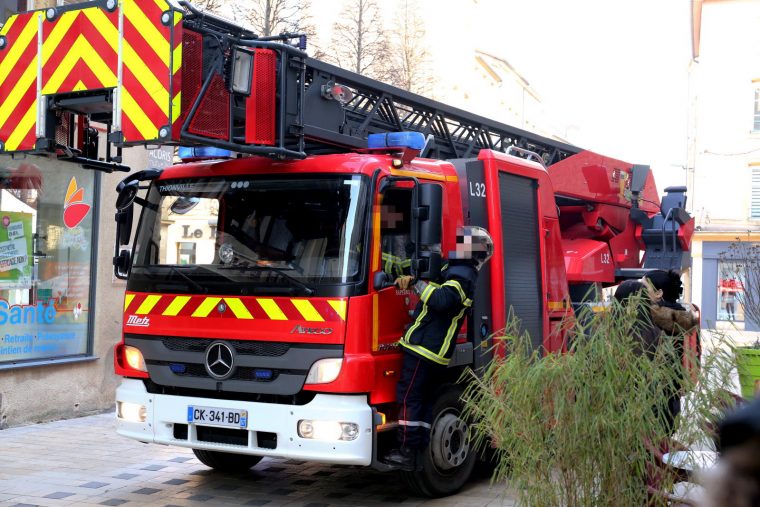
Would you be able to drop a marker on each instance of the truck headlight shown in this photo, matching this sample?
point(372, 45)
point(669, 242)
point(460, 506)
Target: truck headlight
point(134, 358)
point(131, 412)
point(324, 371)
point(327, 430)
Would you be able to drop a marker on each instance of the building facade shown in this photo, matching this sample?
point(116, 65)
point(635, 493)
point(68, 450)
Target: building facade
point(724, 157)
point(60, 305)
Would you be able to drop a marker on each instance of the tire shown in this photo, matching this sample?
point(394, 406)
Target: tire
point(450, 458)
point(226, 461)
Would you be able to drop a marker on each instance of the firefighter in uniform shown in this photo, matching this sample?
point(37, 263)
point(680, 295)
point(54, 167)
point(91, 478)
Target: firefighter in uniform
point(429, 342)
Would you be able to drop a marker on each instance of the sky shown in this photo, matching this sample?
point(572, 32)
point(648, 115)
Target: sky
point(614, 71)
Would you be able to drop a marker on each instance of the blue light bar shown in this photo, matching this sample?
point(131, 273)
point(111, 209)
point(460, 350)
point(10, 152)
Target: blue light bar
point(411, 140)
point(197, 152)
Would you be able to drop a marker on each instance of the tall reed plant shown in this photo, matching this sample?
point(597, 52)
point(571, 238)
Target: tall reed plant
point(578, 429)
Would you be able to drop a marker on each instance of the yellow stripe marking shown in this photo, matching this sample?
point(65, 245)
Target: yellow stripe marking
point(339, 306)
point(161, 5)
point(148, 304)
point(148, 31)
point(17, 47)
point(375, 322)
point(419, 174)
point(176, 306)
point(376, 238)
point(127, 300)
point(22, 129)
point(307, 310)
point(272, 310)
point(155, 88)
point(61, 28)
point(17, 93)
point(238, 308)
point(556, 305)
point(177, 59)
point(80, 50)
point(134, 112)
point(104, 25)
point(8, 24)
point(176, 106)
point(205, 308)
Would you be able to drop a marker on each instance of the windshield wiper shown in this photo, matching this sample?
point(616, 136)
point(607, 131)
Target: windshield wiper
point(293, 281)
point(193, 283)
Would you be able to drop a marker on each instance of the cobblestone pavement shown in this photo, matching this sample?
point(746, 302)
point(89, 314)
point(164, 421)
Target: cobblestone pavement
point(84, 462)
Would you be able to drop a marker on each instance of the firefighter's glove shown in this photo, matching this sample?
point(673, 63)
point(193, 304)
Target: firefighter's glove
point(403, 282)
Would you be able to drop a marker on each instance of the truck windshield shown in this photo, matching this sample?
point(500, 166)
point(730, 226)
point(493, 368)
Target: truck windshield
point(249, 234)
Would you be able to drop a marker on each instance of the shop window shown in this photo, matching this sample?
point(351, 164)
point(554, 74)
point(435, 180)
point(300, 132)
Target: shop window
point(730, 291)
point(46, 254)
point(185, 253)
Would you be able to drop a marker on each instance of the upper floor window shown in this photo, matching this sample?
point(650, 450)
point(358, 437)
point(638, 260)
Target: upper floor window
point(754, 207)
point(756, 117)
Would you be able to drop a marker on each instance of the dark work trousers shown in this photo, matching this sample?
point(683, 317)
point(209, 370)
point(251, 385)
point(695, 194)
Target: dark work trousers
point(415, 391)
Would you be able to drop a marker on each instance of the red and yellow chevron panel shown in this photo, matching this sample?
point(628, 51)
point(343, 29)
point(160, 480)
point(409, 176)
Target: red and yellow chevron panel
point(18, 82)
point(240, 308)
point(80, 51)
point(152, 56)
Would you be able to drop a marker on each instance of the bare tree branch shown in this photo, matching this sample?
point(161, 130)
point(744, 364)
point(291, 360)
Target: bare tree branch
point(410, 58)
point(359, 40)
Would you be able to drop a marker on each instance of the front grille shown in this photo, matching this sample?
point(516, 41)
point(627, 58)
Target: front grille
point(266, 349)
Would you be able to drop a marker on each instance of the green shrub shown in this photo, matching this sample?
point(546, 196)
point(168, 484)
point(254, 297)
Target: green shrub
point(573, 429)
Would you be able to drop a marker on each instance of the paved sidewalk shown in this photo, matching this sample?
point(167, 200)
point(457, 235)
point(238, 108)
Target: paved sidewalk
point(84, 462)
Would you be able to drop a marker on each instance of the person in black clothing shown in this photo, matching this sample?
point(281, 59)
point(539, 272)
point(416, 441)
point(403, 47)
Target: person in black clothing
point(664, 288)
point(429, 342)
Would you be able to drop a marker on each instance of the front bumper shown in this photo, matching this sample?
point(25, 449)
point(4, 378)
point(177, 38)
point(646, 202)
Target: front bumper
point(164, 411)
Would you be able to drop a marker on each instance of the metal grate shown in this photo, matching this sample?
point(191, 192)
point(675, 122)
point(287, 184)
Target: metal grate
point(192, 70)
point(212, 118)
point(268, 349)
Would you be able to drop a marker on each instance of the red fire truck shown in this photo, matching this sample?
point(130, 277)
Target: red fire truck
point(260, 318)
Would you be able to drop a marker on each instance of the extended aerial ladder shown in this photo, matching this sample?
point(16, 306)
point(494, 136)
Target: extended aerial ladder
point(156, 72)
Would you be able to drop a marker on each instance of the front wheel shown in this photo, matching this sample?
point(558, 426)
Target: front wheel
point(450, 458)
point(226, 461)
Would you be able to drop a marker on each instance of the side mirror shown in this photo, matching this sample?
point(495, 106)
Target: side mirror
point(428, 215)
point(121, 264)
point(381, 280)
point(184, 204)
point(428, 265)
point(127, 194)
point(124, 226)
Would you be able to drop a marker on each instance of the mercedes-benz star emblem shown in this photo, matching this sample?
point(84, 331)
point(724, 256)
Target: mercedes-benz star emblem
point(220, 360)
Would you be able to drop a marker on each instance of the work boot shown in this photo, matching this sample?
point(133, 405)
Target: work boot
point(404, 458)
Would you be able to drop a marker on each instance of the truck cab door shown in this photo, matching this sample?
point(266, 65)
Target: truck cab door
point(393, 306)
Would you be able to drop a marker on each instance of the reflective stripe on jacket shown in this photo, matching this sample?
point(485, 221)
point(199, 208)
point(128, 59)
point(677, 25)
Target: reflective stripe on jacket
point(439, 315)
point(395, 265)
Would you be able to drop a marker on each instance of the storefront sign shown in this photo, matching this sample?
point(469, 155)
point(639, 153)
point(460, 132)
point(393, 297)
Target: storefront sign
point(15, 250)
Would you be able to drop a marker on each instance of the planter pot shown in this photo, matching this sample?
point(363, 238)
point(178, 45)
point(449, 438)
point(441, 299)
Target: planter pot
point(748, 365)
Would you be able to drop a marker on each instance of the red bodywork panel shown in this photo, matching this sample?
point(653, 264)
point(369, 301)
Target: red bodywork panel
point(588, 261)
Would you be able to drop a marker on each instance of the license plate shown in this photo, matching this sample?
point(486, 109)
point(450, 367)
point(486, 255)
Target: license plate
point(217, 416)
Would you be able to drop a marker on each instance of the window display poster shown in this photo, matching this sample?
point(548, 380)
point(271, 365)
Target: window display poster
point(15, 250)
